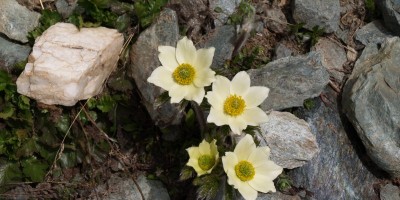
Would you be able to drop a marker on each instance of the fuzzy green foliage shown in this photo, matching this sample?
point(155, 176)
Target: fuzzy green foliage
point(208, 186)
point(47, 19)
point(304, 35)
point(147, 10)
point(283, 182)
point(243, 10)
point(309, 104)
point(247, 59)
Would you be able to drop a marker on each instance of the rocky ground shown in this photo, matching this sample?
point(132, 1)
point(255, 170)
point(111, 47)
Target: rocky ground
point(331, 66)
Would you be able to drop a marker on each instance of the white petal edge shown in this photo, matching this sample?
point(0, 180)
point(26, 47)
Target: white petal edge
point(247, 191)
point(167, 57)
point(193, 152)
point(215, 101)
point(204, 148)
point(245, 147)
point(255, 96)
point(221, 87)
point(195, 94)
point(255, 116)
point(259, 156)
point(229, 161)
point(204, 77)
point(262, 184)
point(217, 117)
point(177, 93)
point(240, 83)
point(204, 58)
point(237, 124)
point(185, 51)
point(162, 77)
point(269, 169)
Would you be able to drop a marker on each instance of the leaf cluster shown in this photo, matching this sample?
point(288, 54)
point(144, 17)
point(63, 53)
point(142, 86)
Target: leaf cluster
point(243, 11)
point(147, 10)
point(304, 35)
point(47, 19)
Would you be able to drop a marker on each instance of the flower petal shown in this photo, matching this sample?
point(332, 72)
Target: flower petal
point(255, 96)
point(185, 51)
point(255, 116)
point(245, 147)
point(167, 57)
point(177, 93)
point(217, 117)
point(237, 124)
point(161, 77)
point(204, 148)
point(240, 83)
point(259, 156)
point(204, 77)
point(229, 161)
point(195, 164)
point(214, 101)
point(268, 169)
point(204, 58)
point(262, 184)
point(221, 87)
point(195, 93)
point(214, 149)
point(233, 179)
point(193, 152)
point(247, 191)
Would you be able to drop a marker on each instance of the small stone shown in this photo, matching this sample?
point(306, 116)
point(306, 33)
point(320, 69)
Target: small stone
point(334, 57)
point(144, 60)
point(12, 53)
point(285, 49)
point(371, 102)
point(390, 192)
point(65, 8)
point(291, 80)
point(68, 65)
point(290, 139)
point(16, 20)
point(118, 188)
point(322, 13)
point(373, 32)
point(276, 20)
point(228, 8)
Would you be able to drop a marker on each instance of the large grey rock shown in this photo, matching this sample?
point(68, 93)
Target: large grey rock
point(371, 102)
point(322, 13)
point(144, 59)
point(11, 53)
point(373, 32)
point(124, 188)
point(334, 57)
point(276, 20)
point(291, 80)
point(222, 39)
point(227, 6)
point(389, 192)
point(338, 171)
point(391, 14)
point(68, 65)
point(16, 20)
point(290, 139)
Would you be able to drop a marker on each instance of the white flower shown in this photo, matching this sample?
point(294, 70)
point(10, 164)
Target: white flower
point(203, 158)
point(235, 103)
point(249, 169)
point(185, 71)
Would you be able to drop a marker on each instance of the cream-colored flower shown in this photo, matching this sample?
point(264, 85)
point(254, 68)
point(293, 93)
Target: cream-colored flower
point(185, 71)
point(203, 158)
point(235, 103)
point(249, 169)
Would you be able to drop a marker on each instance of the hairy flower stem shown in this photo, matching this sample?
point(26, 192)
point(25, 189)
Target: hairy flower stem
point(199, 116)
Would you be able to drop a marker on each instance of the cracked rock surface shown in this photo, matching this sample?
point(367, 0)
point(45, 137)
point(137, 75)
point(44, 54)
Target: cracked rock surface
point(67, 65)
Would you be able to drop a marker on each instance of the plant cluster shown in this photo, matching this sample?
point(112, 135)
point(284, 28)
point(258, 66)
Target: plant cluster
point(184, 74)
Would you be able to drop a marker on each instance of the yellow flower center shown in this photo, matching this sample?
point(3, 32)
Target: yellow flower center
point(206, 162)
point(244, 171)
point(234, 105)
point(184, 74)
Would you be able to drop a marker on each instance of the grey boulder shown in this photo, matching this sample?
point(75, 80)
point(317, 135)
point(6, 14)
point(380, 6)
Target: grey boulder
point(371, 99)
point(12, 53)
point(391, 14)
point(373, 32)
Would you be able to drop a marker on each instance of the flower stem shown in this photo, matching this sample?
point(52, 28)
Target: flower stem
point(199, 116)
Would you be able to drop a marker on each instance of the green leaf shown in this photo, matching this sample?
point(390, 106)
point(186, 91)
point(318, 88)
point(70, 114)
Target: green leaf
point(208, 186)
point(68, 159)
point(27, 149)
point(105, 103)
point(7, 111)
point(76, 20)
point(23, 102)
point(9, 171)
point(63, 124)
point(186, 173)
point(34, 169)
point(218, 10)
point(123, 23)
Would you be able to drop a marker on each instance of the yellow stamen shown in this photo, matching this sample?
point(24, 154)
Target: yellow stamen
point(184, 74)
point(206, 162)
point(244, 171)
point(234, 105)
